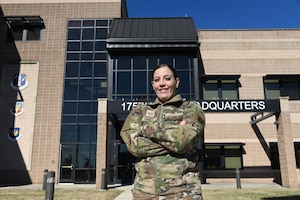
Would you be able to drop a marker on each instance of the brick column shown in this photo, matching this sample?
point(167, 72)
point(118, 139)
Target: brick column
point(101, 140)
point(286, 146)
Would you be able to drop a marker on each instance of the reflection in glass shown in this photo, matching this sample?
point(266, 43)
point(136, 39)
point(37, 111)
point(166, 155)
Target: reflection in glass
point(84, 133)
point(71, 89)
point(85, 88)
point(68, 133)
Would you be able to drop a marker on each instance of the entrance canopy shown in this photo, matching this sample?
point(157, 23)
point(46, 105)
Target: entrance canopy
point(152, 33)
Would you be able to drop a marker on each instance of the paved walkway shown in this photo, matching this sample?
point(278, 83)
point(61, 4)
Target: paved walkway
point(126, 195)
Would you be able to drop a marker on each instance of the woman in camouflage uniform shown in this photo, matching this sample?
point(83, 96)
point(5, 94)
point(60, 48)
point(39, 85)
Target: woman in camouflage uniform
point(163, 135)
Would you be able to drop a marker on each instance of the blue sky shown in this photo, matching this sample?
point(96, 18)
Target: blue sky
point(223, 14)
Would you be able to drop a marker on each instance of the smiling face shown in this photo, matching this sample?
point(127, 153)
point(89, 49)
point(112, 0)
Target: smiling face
point(164, 83)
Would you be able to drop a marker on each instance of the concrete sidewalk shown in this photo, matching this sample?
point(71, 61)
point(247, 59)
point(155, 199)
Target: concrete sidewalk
point(126, 195)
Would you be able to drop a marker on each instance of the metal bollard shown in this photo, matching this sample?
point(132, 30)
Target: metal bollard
point(45, 178)
point(238, 178)
point(103, 179)
point(49, 195)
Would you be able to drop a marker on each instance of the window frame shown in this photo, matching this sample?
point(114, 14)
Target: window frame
point(282, 80)
point(220, 82)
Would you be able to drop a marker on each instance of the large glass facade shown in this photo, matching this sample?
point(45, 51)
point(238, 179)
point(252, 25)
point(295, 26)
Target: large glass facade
point(132, 76)
point(85, 81)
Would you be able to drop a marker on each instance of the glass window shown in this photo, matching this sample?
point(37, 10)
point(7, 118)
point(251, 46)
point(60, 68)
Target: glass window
point(100, 69)
point(220, 88)
point(212, 157)
point(123, 83)
point(153, 62)
point(84, 132)
point(85, 88)
point(166, 60)
point(68, 133)
point(72, 69)
point(86, 69)
point(140, 83)
point(69, 119)
point(139, 62)
point(88, 34)
point(71, 89)
point(182, 62)
point(101, 33)
point(124, 62)
point(17, 33)
point(282, 86)
point(86, 56)
point(210, 90)
point(291, 89)
point(94, 107)
point(223, 156)
point(74, 34)
point(272, 89)
point(74, 23)
point(33, 33)
point(99, 89)
point(84, 107)
point(70, 108)
point(73, 46)
point(100, 56)
point(100, 46)
point(87, 46)
point(73, 56)
point(101, 23)
point(184, 86)
point(229, 89)
point(232, 157)
point(88, 23)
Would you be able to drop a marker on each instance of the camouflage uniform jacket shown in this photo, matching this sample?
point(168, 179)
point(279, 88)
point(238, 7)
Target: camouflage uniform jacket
point(165, 150)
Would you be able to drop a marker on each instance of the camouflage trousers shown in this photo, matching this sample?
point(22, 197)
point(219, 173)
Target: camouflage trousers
point(139, 195)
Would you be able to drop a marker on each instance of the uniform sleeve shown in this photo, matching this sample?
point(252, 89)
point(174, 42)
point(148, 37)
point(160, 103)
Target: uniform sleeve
point(136, 143)
point(182, 138)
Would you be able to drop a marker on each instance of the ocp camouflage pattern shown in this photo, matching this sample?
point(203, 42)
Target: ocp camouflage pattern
point(166, 151)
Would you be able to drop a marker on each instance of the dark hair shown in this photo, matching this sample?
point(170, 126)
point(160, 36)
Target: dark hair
point(165, 65)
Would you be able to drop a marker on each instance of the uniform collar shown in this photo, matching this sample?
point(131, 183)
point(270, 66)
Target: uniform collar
point(176, 98)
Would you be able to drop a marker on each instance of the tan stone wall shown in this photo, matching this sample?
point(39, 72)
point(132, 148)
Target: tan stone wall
point(50, 52)
point(251, 54)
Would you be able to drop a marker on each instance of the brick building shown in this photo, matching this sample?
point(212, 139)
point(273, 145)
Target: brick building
point(70, 71)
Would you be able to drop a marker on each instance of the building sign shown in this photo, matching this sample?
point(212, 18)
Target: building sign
point(209, 106)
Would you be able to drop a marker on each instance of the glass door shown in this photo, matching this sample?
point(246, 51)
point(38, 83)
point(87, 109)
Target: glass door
point(67, 163)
